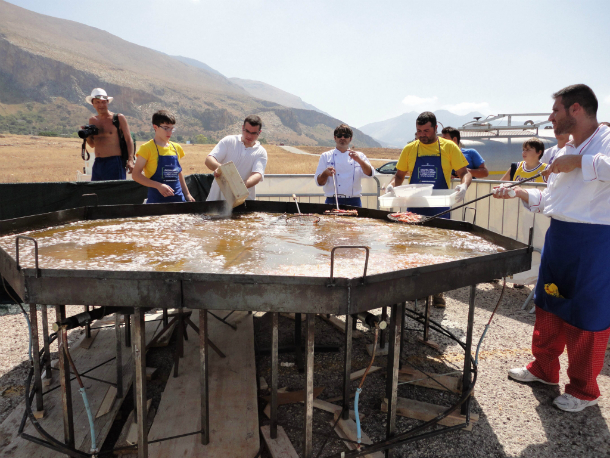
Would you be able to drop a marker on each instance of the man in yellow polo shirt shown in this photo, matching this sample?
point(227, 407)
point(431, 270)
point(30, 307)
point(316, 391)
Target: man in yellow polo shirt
point(430, 159)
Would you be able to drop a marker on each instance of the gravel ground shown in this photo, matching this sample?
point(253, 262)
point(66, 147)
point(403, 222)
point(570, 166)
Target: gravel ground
point(515, 419)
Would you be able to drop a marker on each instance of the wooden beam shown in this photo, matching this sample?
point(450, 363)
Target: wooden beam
point(424, 411)
point(358, 374)
point(293, 397)
point(453, 384)
point(348, 430)
point(339, 324)
point(280, 447)
point(106, 404)
point(85, 344)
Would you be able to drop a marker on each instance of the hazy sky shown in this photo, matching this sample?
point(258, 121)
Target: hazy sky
point(366, 61)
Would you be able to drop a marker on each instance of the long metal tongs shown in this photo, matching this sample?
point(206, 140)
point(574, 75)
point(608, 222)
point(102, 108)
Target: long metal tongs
point(425, 220)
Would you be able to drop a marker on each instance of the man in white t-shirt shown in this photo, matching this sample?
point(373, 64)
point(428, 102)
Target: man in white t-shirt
point(347, 167)
point(551, 153)
point(245, 151)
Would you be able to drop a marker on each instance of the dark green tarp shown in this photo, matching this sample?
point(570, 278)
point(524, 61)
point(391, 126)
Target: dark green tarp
point(25, 199)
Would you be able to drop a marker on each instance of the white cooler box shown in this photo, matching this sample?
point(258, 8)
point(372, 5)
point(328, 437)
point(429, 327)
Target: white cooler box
point(439, 198)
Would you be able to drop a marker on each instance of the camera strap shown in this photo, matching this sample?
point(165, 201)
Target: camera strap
point(83, 152)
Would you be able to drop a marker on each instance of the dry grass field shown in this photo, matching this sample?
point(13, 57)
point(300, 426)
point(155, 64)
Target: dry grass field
point(48, 159)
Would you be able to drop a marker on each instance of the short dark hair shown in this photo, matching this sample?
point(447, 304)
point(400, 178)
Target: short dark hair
point(453, 133)
point(343, 129)
point(163, 116)
point(535, 143)
point(580, 94)
point(254, 121)
point(425, 118)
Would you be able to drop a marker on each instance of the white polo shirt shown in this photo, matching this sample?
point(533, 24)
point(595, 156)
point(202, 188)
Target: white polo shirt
point(549, 155)
point(582, 195)
point(247, 161)
point(348, 173)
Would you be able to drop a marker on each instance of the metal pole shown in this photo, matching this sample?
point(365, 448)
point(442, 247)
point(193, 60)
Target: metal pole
point(402, 334)
point(427, 320)
point(47, 344)
point(179, 352)
point(87, 326)
point(308, 439)
point(392, 376)
point(298, 353)
point(64, 380)
point(382, 334)
point(347, 366)
point(119, 356)
point(36, 356)
point(139, 342)
point(127, 319)
point(203, 358)
point(165, 317)
point(274, 373)
point(467, 379)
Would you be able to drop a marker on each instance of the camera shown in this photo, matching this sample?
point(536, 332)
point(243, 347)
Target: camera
point(87, 131)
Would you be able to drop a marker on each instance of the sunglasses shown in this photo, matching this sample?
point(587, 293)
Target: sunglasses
point(168, 128)
point(343, 136)
point(251, 133)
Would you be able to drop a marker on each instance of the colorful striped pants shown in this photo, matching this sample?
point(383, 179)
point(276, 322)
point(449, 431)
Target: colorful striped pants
point(586, 352)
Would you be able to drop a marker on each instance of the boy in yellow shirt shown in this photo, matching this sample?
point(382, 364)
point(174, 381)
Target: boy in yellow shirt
point(158, 164)
point(533, 149)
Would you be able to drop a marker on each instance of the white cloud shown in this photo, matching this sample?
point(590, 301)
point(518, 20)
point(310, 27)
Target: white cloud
point(466, 107)
point(607, 99)
point(415, 101)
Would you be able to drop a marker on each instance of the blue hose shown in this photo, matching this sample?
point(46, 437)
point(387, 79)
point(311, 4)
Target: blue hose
point(359, 431)
point(90, 415)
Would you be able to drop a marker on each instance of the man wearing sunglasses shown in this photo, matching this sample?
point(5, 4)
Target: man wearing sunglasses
point(108, 163)
point(245, 151)
point(346, 166)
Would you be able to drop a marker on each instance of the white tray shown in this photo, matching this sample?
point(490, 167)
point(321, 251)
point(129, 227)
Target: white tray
point(439, 198)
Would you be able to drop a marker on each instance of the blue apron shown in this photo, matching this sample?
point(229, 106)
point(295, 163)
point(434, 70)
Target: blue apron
point(168, 169)
point(108, 168)
point(575, 258)
point(429, 169)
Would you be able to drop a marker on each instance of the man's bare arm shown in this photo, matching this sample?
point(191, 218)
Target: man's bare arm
point(212, 164)
point(254, 179)
point(481, 172)
point(464, 176)
point(398, 179)
point(127, 136)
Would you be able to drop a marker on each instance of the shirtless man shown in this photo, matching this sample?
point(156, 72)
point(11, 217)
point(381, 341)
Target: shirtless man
point(108, 164)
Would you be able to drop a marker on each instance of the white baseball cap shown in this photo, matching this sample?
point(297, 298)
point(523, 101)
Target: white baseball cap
point(98, 93)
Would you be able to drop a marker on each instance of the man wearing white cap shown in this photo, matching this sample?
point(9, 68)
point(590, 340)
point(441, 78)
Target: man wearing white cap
point(108, 163)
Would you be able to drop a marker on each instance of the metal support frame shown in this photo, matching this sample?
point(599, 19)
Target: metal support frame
point(347, 365)
point(467, 377)
point(298, 352)
point(119, 356)
point(36, 356)
point(64, 380)
point(87, 325)
point(402, 332)
point(392, 374)
point(165, 317)
point(309, 358)
point(204, 367)
point(127, 319)
point(47, 344)
point(274, 371)
point(383, 332)
point(139, 349)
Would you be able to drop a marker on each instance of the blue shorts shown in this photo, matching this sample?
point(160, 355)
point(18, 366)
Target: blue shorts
point(353, 201)
point(108, 168)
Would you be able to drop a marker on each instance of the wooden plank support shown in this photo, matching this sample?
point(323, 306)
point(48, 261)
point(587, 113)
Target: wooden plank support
point(467, 376)
point(346, 429)
point(425, 411)
point(359, 373)
point(88, 341)
point(436, 382)
point(106, 404)
point(47, 345)
point(280, 447)
point(139, 344)
point(340, 325)
point(333, 408)
point(119, 355)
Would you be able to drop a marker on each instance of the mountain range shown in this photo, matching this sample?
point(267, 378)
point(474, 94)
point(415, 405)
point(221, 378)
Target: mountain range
point(49, 65)
point(398, 131)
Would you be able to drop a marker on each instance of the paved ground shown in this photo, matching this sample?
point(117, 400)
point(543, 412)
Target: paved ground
point(516, 420)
